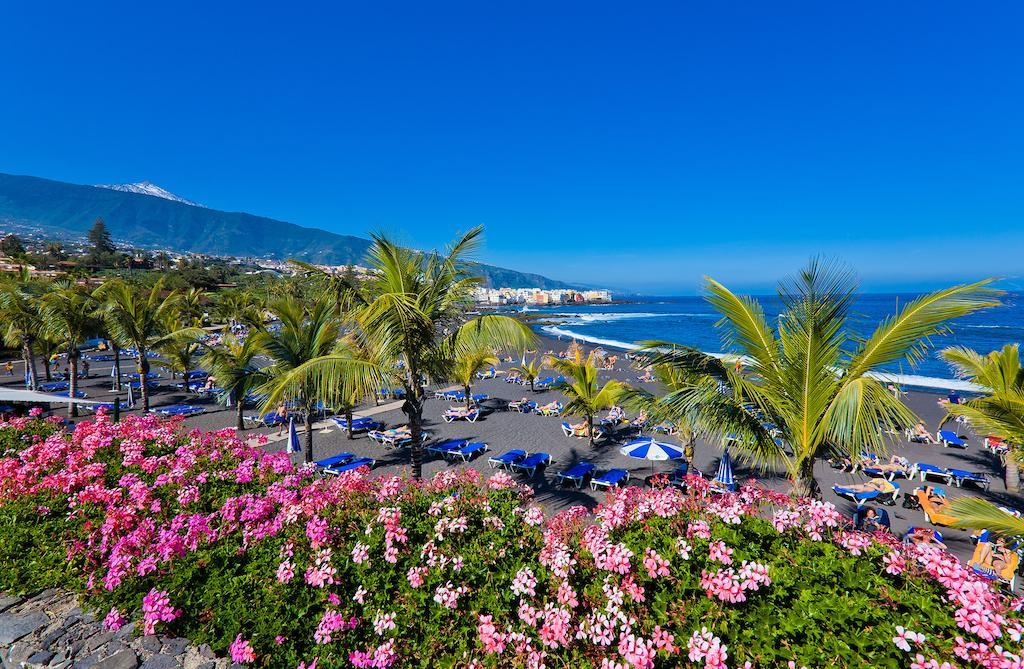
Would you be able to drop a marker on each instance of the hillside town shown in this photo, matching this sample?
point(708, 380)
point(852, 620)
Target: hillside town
point(538, 296)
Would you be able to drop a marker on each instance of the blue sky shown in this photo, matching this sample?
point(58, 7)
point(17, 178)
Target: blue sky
point(639, 145)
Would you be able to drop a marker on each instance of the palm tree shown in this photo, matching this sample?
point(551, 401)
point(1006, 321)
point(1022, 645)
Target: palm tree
point(19, 310)
point(337, 285)
point(1000, 411)
point(138, 318)
point(239, 306)
point(586, 396)
point(178, 351)
point(69, 315)
point(46, 347)
point(305, 334)
point(412, 310)
point(233, 364)
point(809, 376)
point(661, 409)
point(530, 371)
point(470, 358)
point(190, 306)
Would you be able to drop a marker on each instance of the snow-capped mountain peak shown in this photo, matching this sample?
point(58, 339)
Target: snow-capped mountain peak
point(149, 188)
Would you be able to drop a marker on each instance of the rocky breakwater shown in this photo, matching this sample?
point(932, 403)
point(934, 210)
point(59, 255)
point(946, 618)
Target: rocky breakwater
point(51, 630)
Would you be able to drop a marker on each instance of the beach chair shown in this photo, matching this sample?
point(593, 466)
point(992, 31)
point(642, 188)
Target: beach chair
point(469, 451)
point(460, 413)
point(576, 474)
point(949, 438)
point(359, 424)
point(179, 410)
point(445, 447)
point(80, 394)
point(552, 410)
point(610, 479)
point(350, 466)
point(926, 469)
point(677, 477)
point(489, 374)
point(961, 476)
point(478, 398)
point(934, 513)
point(1006, 575)
point(507, 459)
point(334, 460)
point(889, 471)
point(532, 463)
point(528, 406)
point(567, 429)
point(544, 384)
point(859, 494)
point(54, 386)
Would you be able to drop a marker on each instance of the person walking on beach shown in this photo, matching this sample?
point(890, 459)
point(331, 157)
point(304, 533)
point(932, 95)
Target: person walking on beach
point(280, 414)
point(9, 367)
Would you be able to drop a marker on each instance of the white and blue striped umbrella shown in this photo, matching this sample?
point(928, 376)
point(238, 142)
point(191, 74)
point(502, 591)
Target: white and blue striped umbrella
point(725, 477)
point(649, 449)
point(293, 437)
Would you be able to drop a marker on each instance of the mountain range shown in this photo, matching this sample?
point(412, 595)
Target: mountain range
point(146, 215)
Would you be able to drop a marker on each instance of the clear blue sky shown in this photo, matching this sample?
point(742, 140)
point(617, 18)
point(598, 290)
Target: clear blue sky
point(625, 144)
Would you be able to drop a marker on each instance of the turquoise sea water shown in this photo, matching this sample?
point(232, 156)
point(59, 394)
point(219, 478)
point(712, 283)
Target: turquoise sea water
point(691, 321)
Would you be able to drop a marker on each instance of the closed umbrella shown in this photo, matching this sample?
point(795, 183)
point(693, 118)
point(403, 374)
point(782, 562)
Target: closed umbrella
point(293, 438)
point(724, 478)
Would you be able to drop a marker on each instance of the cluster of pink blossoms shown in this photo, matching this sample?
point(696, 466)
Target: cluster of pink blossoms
point(156, 608)
point(705, 647)
point(731, 585)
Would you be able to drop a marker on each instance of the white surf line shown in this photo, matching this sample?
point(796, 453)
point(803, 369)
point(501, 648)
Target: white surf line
point(915, 380)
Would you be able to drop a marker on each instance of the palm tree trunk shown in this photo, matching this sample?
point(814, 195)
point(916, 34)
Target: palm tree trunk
point(1012, 473)
point(531, 386)
point(413, 409)
point(590, 428)
point(117, 366)
point(73, 354)
point(348, 419)
point(239, 414)
point(143, 386)
point(467, 391)
point(308, 454)
point(803, 484)
point(46, 370)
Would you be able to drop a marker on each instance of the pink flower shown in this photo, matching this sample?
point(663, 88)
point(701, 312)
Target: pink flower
point(156, 607)
point(524, 582)
point(655, 564)
point(241, 651)
point(35, 412)
point(114, 620)
point(905, 637)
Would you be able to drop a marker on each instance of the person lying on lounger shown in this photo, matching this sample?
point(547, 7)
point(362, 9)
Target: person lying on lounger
point(580, 430)
point(615, 415)
point(874, 485)
point(550, 407)
point(922, 535)
point(648, 377)
point(921, 434)
point(843, 464)
point(994, 555)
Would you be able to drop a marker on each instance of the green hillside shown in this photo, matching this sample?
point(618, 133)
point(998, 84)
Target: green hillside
point(144, 220)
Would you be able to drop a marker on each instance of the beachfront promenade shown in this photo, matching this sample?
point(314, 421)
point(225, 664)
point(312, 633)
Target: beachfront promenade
point(502, 430)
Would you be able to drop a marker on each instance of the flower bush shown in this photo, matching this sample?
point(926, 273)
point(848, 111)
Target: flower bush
point(206, 536)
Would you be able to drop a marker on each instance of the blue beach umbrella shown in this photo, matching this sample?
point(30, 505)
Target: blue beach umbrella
point(293, 437)
point(649, 449)
point(724, 478)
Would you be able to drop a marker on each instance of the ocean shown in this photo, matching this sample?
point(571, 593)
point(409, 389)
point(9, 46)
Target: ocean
point(691, 321)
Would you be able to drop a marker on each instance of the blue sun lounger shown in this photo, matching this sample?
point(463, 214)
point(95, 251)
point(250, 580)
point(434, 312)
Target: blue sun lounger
point(179, 410)
point(610, 479)
point(269, 419)
point(349, 466)
point(109, 406)
point(950, 438)
point(961, 476)
point(507, 459)
point(532, 463)
point(80, 394)
point(445, 447)
point(334, 461)
point(54, 386)
point(576, 474)
point(358, 424)
point(862, 496)
point(468, 452)
point(926, 469)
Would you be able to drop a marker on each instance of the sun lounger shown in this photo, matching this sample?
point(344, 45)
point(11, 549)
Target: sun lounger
point(610, 479)
point(445, 447)
point(349, 466)
point(950, 438)
point(54, 386)
point(507, 459)
point(80, 394)
point(889, 471)
point(925, 470)
point(529, 406)
point(179, 410)
point(554, 410)
point(358, 424)
point(1007, 574)
point(576, 474)
point(532, 463)
point(468, 452)
point(934, 513)
point(109, 406)
point(334, 460)
point(489, 374)
point(961, 476)
point(460, 413)
point(887, 494)
point(269, 419)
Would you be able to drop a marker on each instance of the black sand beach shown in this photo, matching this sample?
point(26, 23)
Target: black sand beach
point(503, 430)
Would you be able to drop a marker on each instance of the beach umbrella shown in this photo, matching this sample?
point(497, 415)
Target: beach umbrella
point(647, 448)
point(724, 477)
point(131, 397)
point(293, 438)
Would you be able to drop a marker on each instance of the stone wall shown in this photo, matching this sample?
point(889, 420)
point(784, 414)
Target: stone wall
point(51, 630)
